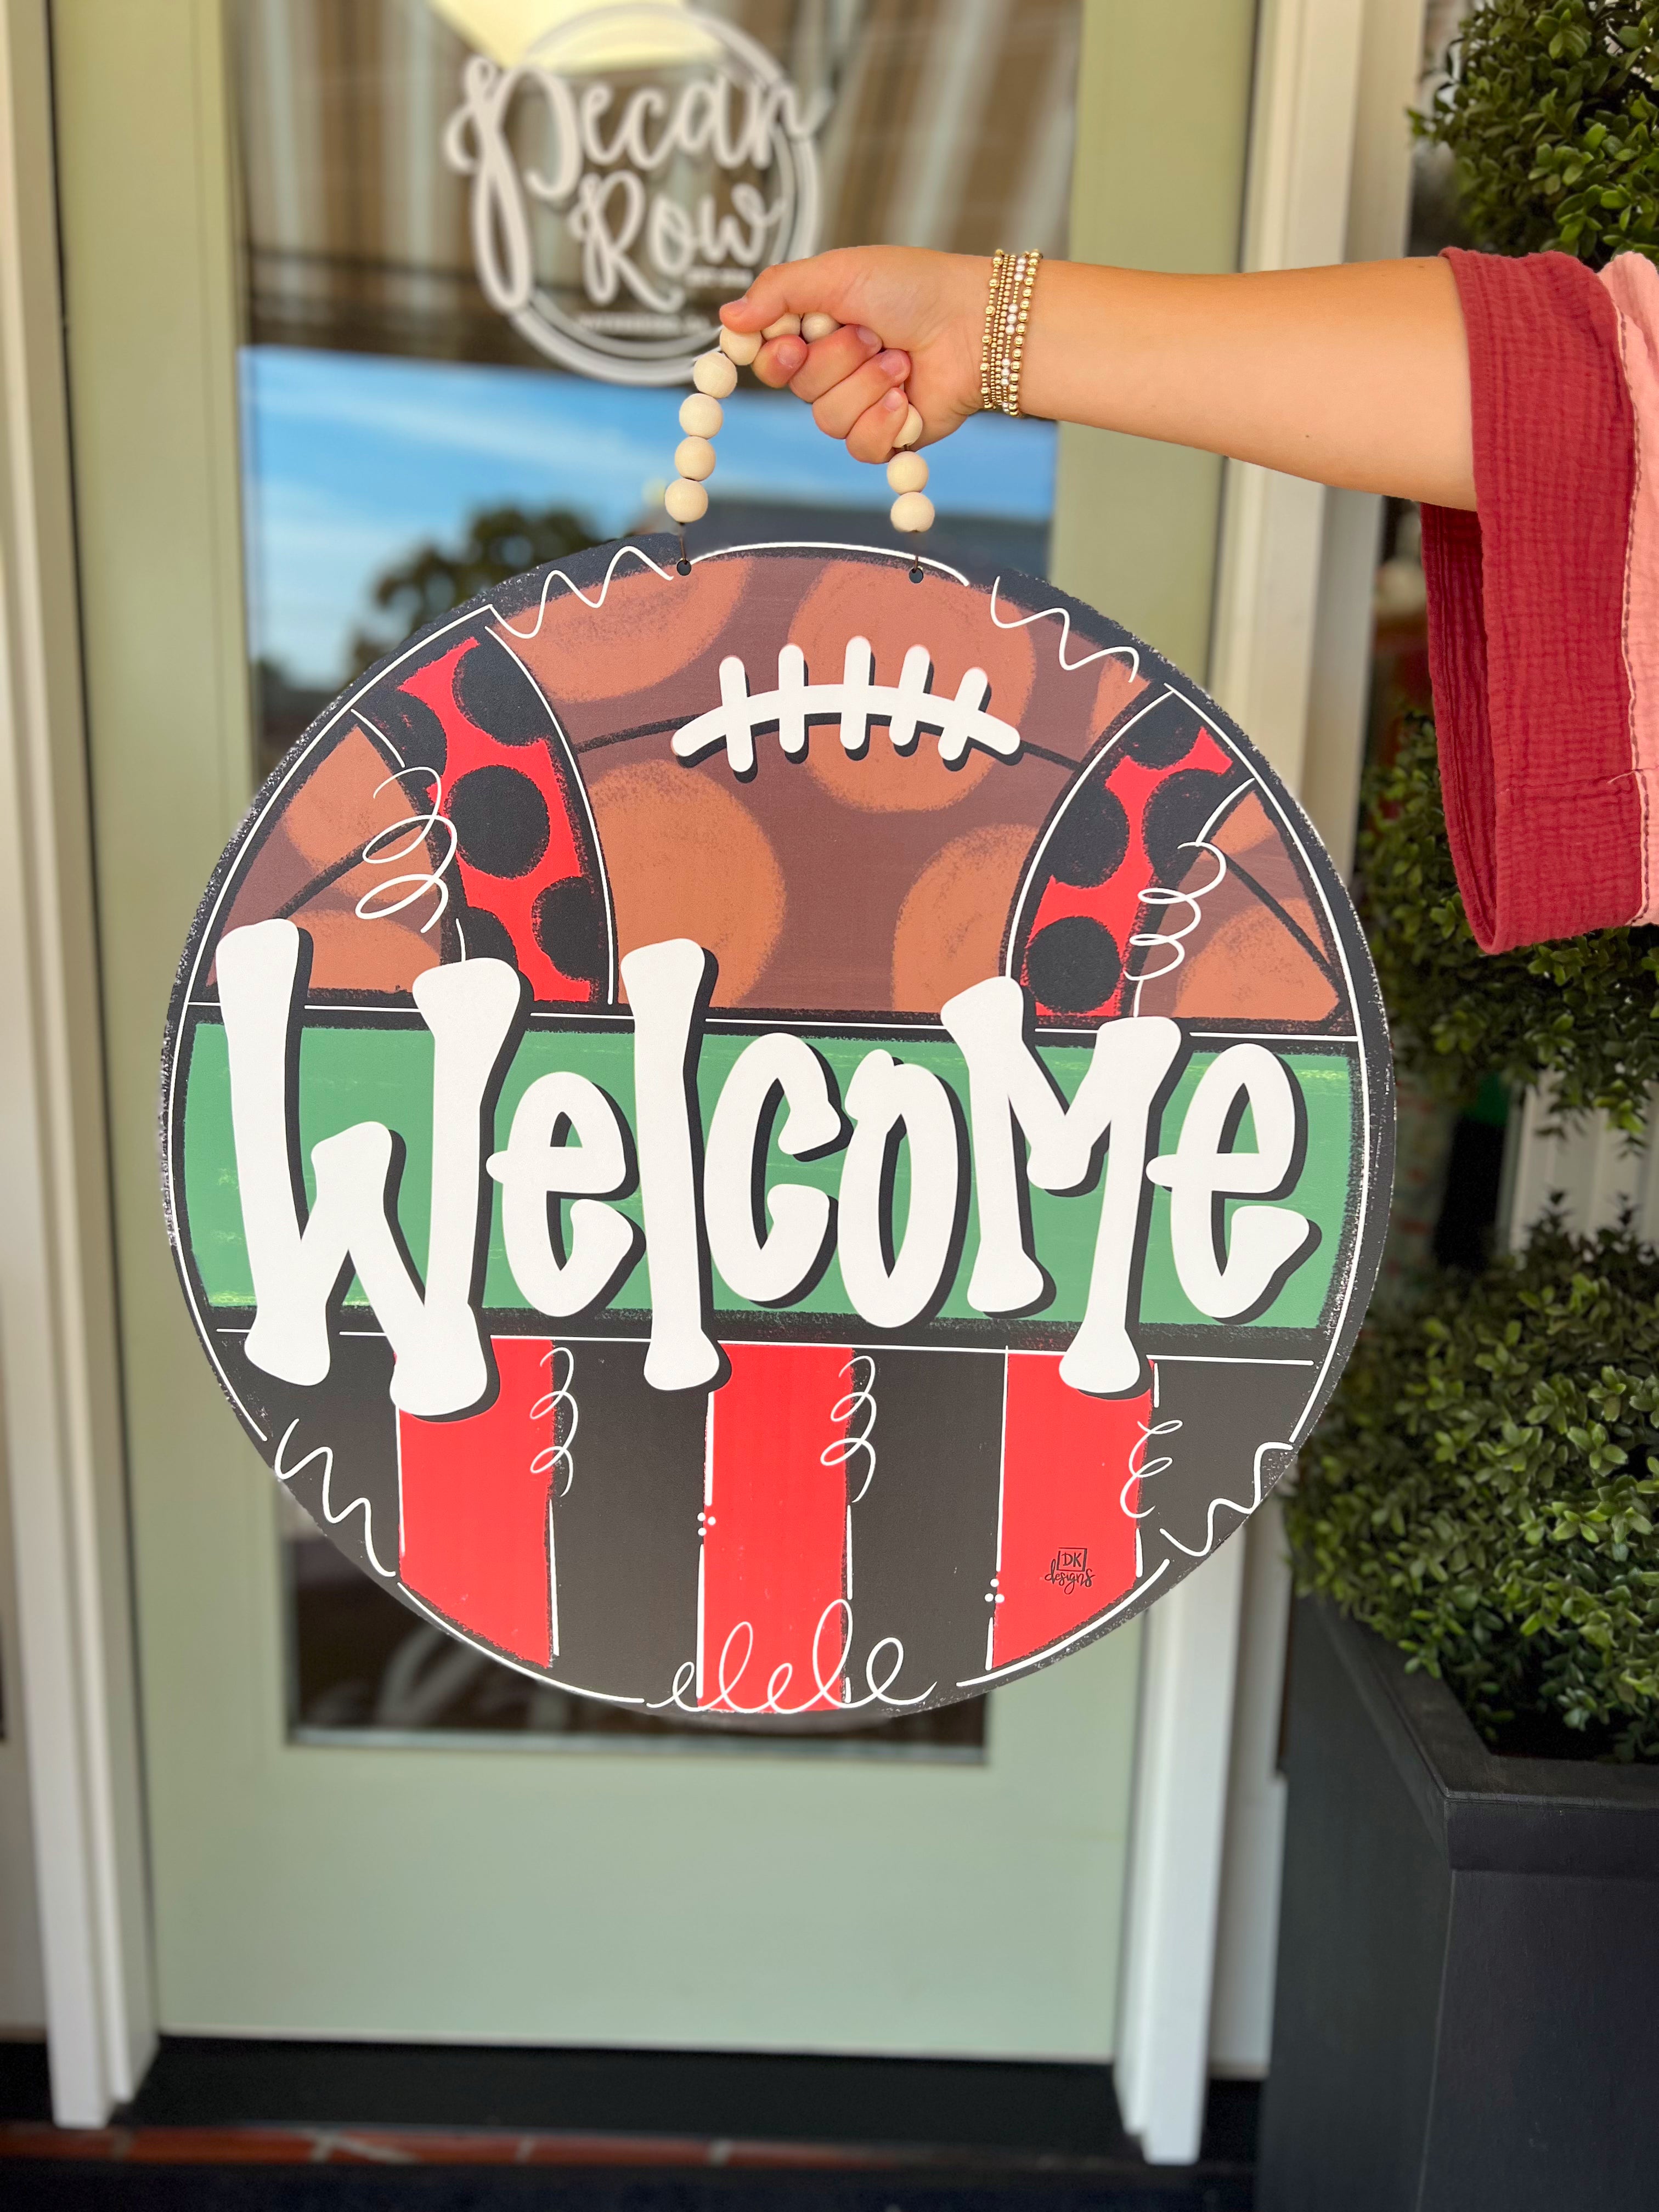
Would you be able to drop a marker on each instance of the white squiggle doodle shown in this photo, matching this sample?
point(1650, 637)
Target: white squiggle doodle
point(846, 1409)
point(1123, 652)
point(1231, 1504)
point(1158, 895)
point(558, 576)
point(823, 1696)
point(325, 1453)
point(414, 835)
point(557, 1455)
point(1148, 1468)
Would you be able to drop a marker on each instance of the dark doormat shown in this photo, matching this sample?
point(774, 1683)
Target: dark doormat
point(61, 2186)
point(996, 2108)
point(223, 2125)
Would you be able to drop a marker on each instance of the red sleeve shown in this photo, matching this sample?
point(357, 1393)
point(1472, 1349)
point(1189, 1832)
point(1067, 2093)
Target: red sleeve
point(1527, 611)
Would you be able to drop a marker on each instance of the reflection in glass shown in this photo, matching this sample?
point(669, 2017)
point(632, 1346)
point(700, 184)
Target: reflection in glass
point(388, 408)
point(936, 130)
point(361, 467)
point(361, 1664)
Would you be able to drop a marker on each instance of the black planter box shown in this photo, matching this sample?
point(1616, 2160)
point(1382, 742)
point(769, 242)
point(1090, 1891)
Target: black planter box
point(1468, 2006)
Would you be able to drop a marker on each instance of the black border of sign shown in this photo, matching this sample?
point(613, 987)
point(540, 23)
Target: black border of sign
point(1080, 634)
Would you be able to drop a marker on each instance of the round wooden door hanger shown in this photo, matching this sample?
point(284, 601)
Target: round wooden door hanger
point(779, 1141)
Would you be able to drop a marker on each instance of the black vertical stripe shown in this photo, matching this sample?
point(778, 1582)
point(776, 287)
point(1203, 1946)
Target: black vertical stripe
point(1226, 1409)
point(351, 1417)
point(625, 1532)
point(924, 1532)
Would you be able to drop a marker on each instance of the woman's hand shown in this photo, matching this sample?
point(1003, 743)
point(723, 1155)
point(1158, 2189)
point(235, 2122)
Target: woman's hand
point(1356, 376)
point(906, 316)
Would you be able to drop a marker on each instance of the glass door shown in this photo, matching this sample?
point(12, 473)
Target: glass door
point(316, 401)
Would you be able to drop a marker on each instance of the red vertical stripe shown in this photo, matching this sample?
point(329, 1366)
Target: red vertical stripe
point(1118, 903)
point(474, 1508)
point(511, 899)
point(774, 1554)
point(1069, 1493)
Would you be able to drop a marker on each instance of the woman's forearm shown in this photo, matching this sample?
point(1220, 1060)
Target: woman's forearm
point(1356, 376)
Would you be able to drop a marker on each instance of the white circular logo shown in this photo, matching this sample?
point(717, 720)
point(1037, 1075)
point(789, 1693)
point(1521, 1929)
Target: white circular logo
point(634, 170)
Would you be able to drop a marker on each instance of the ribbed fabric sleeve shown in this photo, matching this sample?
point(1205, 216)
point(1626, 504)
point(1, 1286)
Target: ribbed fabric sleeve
point(1527, 611)
point(1631, 283)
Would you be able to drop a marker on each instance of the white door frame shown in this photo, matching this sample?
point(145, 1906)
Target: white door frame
point(22, 1993)
point(1328, 180)
point(58, 1349)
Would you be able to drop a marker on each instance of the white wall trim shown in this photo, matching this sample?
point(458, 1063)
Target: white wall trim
point(1253, 1851)
point(1378, 228)
point(59, 1357)
point(1302, 134)
point(1328, 180)
point(22, 1993)
point(1586, 1166)
point(1188, 1659)
point(1378, 222)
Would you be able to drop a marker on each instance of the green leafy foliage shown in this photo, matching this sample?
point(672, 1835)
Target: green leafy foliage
point(500, 541)
point(1483, 1490)
point(1553, 118)
point(1583, 1011)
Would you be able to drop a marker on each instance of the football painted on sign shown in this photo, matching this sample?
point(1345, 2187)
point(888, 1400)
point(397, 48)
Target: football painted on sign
point(780, 1139)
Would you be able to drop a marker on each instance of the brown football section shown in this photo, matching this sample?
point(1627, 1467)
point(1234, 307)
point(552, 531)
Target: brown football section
point(1261, 948)
point(1164, 885)
point(310, 868)
point(870, 880)
point(447, 823)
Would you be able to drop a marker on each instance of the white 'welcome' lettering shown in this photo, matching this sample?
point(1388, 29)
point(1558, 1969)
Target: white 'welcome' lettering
point(568, 1141)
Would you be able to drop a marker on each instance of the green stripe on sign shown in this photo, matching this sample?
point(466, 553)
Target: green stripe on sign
point(351, 1074)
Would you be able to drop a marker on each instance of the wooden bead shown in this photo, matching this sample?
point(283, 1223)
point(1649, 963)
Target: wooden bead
point(686, 502)
point(786, 326)
point(741, 346)
point(912, 510)
point(907, 472)
point(817, 325)
point(911, 432)
point(700, 415)
point(714, 375)
point(695, 458)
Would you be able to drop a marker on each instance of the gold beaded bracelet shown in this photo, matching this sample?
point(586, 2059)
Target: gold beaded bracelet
point(1007, 313)
point(987, 346)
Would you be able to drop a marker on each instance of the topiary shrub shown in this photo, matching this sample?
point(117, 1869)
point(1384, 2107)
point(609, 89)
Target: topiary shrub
point(1552, 117)
point(1583, 1011)
point(1483, 1489)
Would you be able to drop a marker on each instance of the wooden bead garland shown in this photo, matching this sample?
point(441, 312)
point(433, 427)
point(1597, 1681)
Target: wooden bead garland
point(741, 346)
point(685, 502)
point(716, 378)
point(700, 415)
point(716, 375)
point(912, 510)
point(694, 458)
